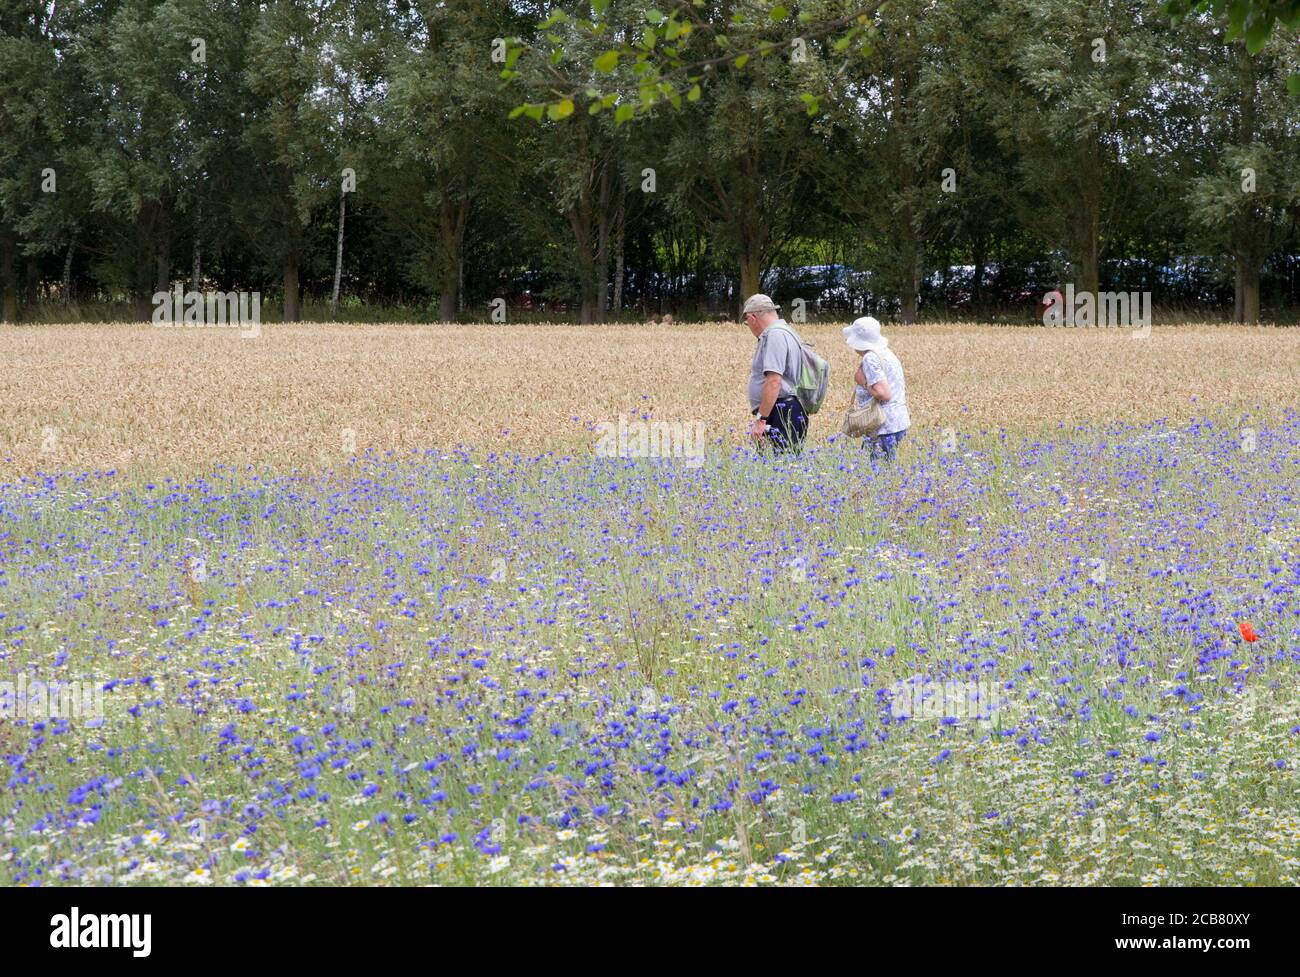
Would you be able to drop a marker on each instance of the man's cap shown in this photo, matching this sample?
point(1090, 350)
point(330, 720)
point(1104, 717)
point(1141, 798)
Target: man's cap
point(760, 303)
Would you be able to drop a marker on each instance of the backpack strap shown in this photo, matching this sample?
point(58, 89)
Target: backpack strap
point(782, 325)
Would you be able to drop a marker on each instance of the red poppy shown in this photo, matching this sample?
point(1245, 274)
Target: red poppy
point(1247, 631)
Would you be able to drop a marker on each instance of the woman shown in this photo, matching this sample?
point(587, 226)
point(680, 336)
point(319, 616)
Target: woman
point(879, 375)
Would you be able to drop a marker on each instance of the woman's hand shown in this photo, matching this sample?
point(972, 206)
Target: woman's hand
point(880, 390)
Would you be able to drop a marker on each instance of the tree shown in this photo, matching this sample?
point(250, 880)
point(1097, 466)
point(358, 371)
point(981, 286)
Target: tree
point(1250, 20)
point(1068, 98)
point(1242, 202)
point(445, 128)
point(741, 156)
point(43, 190)
point(893, 126)
point(286, 136)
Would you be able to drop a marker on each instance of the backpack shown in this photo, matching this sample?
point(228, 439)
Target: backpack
point(814, 373)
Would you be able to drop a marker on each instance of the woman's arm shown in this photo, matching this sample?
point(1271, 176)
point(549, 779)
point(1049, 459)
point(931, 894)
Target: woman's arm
point(880, 389)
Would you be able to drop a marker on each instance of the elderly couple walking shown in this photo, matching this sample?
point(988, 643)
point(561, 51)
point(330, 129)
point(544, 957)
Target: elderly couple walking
point(780, 419)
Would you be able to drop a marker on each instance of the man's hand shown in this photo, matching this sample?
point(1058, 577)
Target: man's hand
point(758, 429)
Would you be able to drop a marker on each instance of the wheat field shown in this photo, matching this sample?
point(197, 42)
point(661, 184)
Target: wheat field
point(102, 397)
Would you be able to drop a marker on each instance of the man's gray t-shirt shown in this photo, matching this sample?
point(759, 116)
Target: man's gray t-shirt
point(777, 352)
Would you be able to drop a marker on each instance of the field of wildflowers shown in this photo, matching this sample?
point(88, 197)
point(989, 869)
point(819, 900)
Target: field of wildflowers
point(1066, 657)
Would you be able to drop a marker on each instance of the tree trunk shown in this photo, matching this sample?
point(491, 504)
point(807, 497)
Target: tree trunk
point(602, 278)
point(65, 288)
point(196, 254)
point(909, 236)
point(751, 273)
point(1088, 227)
point(292, 308)
point(144, 277)
point(1239, 292)
point(588, 230)
point(910, 248)
point(604, 225)
point(909, 301)
point(338, 254)
point(163, 254)
point(1251, 299)
point(144, 260)
point(32, 291)
point(1246, 292)
point(581, 224)
point(1088, 261)
point(453, 215)
point(618, 266)
point(977, 279)
point(588, 311)
point(8, 279)
point(750, 210)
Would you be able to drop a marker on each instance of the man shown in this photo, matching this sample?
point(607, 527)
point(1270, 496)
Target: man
point(780, 419)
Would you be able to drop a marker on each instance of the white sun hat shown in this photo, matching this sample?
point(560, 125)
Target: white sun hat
point(864, 334)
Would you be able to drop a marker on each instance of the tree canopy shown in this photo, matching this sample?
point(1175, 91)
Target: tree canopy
point(610, 159)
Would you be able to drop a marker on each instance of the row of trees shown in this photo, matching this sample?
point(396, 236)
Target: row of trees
point(448, 152)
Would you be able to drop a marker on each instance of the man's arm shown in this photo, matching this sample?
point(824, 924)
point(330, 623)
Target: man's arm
point(771, 390)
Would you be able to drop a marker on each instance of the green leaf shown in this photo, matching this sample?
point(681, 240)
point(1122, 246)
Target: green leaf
point(599, 6)
point(742, 61)
point(779, 12)
point(560, 110)
point(534, 112)
point(1237, 11)
point(517, 111)
point(1257, 33)
point(694, 94)
point(1293, 84)
point(624, 113)
point(653, 16)
point(811, 103)
point(607, 62)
